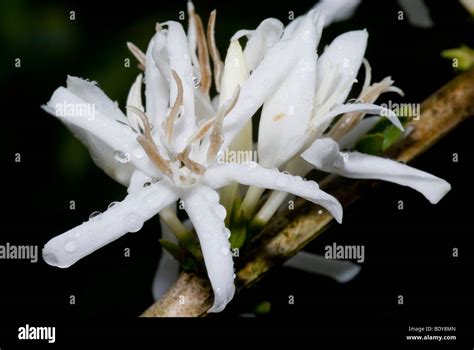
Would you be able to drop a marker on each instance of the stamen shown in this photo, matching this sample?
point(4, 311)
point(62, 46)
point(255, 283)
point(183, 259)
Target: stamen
point(176, 107)
point(143, 117)
point(195, 167)
point(206, 126)
point(203, 53)
point(368, 76)
point(217, 63)
point(152, 152)
point(139, 55)
point(202, 131)
point(146, 141)
point(368, 94)
point(216, 138)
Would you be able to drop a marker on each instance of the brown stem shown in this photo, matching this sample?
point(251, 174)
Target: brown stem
point(289, 232)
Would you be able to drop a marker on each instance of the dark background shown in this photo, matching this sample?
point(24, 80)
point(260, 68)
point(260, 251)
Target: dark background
point(408, 252)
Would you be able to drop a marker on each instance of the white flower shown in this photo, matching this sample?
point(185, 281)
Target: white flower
point(171, 146)
point(300, 114)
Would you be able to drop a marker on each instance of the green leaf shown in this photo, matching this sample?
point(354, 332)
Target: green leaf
point(381, 137)
point(238, 234)
point(390, 135)
point(462, 57)
point(370, 144)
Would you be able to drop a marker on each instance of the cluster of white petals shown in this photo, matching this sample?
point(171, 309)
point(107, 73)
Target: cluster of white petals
point(167, 148)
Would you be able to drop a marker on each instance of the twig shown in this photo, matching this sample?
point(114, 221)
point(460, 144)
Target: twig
point(289, 232)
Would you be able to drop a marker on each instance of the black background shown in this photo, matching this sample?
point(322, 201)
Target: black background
point(408, 252)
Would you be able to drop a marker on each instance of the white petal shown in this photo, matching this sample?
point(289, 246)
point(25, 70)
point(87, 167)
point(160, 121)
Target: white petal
point(261, 39)
point(235, 71)
point(126, 216)
point(117, 136)
point(101, 153)
point(286, 115)
point(203, 107)
point(192, 35)
point(138, 179)
point(180, 61)
point(156, 81)
point(90, 93)
point(337, 10)
point(344, 55)
point(341, 271)
point(324, 155)
point(234, 75)
point(254, 175)
point(267, 77)
point(134, 99)
point(207, 216)
point(322, 122)
point(104, 156)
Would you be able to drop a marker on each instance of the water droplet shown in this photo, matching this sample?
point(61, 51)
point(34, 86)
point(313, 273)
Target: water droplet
point(121, 157)
point(250, 165)
point(94, 214)
point(282, 180)
point(353, 101)
point(139, 153)
point(313, 183)
point(196, 77)
point(146, 184)
point(112, 204)
point(225, 251)
point(212, 196)
point(70, 245)
point(133, 222)
point(320, 211)
point(220, 212)
point(226, 233)
point(234, 276)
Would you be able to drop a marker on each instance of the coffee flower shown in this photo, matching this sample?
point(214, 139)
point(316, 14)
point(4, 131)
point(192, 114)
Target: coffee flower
point(167, 150)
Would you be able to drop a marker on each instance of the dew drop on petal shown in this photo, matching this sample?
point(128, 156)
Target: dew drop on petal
point(121, 157)
point(196, 77)
point(94, 214)
point(226, 233)
point(212, 196)
point(313, 183)
point(220, 212)
point(112, 204)
point(70, 245)
point(133, 222)
point(282, 180)
point(146, 184)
